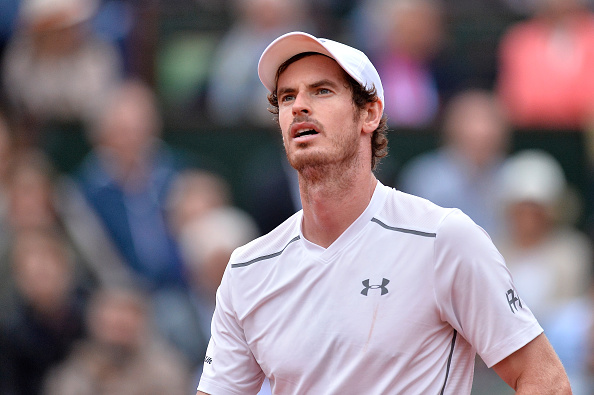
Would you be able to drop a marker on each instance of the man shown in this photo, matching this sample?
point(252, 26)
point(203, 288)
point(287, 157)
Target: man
point(367, 289)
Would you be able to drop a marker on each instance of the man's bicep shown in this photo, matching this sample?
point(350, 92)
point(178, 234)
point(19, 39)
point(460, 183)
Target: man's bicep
point(534, 368)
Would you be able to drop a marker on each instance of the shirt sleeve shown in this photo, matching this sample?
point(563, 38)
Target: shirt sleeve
point(229, 366)
point(475, 291)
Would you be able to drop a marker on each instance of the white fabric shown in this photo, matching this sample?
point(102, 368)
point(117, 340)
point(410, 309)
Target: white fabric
point(296, 313)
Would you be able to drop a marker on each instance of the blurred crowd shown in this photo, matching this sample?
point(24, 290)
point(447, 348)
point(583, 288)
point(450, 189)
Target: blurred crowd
point(109, 265)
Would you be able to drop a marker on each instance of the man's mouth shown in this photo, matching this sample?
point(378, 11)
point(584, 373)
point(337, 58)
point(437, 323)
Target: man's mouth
point(303, 129)
point(306, 132)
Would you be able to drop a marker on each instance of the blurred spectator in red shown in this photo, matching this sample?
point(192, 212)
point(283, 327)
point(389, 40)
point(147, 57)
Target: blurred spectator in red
point(550, 260)
point(120, 354)
point(42, 316)
point(55, 67)
point(463, 172)
point(236, 95)
point(546, 63)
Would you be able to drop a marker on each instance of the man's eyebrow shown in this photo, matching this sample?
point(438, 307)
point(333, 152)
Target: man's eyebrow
point(317, 84)
point(324, 82)
point(282, 91)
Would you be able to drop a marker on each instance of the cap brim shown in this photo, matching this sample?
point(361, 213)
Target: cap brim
point(283, 49)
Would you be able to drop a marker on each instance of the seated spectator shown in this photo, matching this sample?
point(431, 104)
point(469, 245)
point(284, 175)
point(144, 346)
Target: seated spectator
point(235, 93)
point(193, 193)
point(30, 190)
point(545, 70)
point(55, 67)
point(43, 314)
point(550, 260)
point(126, 180)
point(413, 33)
point(120, 354)
point(29, 205)
point(207, 244)
point(39, 198)
point(463, 172)
point(572, 336)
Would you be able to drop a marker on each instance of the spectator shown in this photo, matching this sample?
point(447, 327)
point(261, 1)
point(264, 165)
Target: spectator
point(43, 315)
point(236, 95)
point(126, 179)
point(31, 192)
point(546, 62)
point(120, 355)
point(39, 198)
point(550, 260)
point(207, 243)
point(29, 206)
point(462, 172)
point(572, 336)
point(413, 31)
point(55, 67)
point(194, 193)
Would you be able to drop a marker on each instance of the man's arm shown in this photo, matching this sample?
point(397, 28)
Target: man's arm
point(201, 393)
point(534, 369)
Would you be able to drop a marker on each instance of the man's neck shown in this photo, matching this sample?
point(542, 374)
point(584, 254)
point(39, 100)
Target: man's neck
point(332, 202)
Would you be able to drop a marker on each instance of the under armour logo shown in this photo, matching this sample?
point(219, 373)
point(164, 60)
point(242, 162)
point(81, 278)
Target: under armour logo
point(385, 282)
point(512, 299)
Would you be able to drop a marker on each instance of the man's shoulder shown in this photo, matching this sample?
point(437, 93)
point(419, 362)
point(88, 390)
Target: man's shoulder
point(406, 211)
point(269, 245)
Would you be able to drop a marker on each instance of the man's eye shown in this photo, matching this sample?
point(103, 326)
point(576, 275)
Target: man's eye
point(287, 98)
point(324, 91)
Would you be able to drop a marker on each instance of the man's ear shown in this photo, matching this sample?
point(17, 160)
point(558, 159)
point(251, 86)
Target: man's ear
point(372, 116)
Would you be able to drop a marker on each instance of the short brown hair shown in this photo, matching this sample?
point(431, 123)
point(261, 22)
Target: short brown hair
point(361, 96)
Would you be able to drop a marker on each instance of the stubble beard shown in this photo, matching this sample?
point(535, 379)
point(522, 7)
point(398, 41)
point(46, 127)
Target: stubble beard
point(334, 165)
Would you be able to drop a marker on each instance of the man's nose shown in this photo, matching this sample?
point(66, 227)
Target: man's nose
point(301, 104)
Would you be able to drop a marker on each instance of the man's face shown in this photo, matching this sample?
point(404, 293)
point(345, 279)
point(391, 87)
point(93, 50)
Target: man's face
point(319, 121)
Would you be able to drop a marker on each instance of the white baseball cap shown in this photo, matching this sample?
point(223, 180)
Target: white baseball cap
point(72, 11)
point(533, 175)
point(353, 61)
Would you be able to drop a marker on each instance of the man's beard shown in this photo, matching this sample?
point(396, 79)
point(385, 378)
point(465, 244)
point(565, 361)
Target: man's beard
point(320, 163)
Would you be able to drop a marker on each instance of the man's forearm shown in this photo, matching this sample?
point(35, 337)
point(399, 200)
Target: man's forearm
point(535, 369)
point(545, 384)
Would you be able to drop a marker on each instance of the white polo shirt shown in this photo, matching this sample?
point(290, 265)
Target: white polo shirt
point(398, 304)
